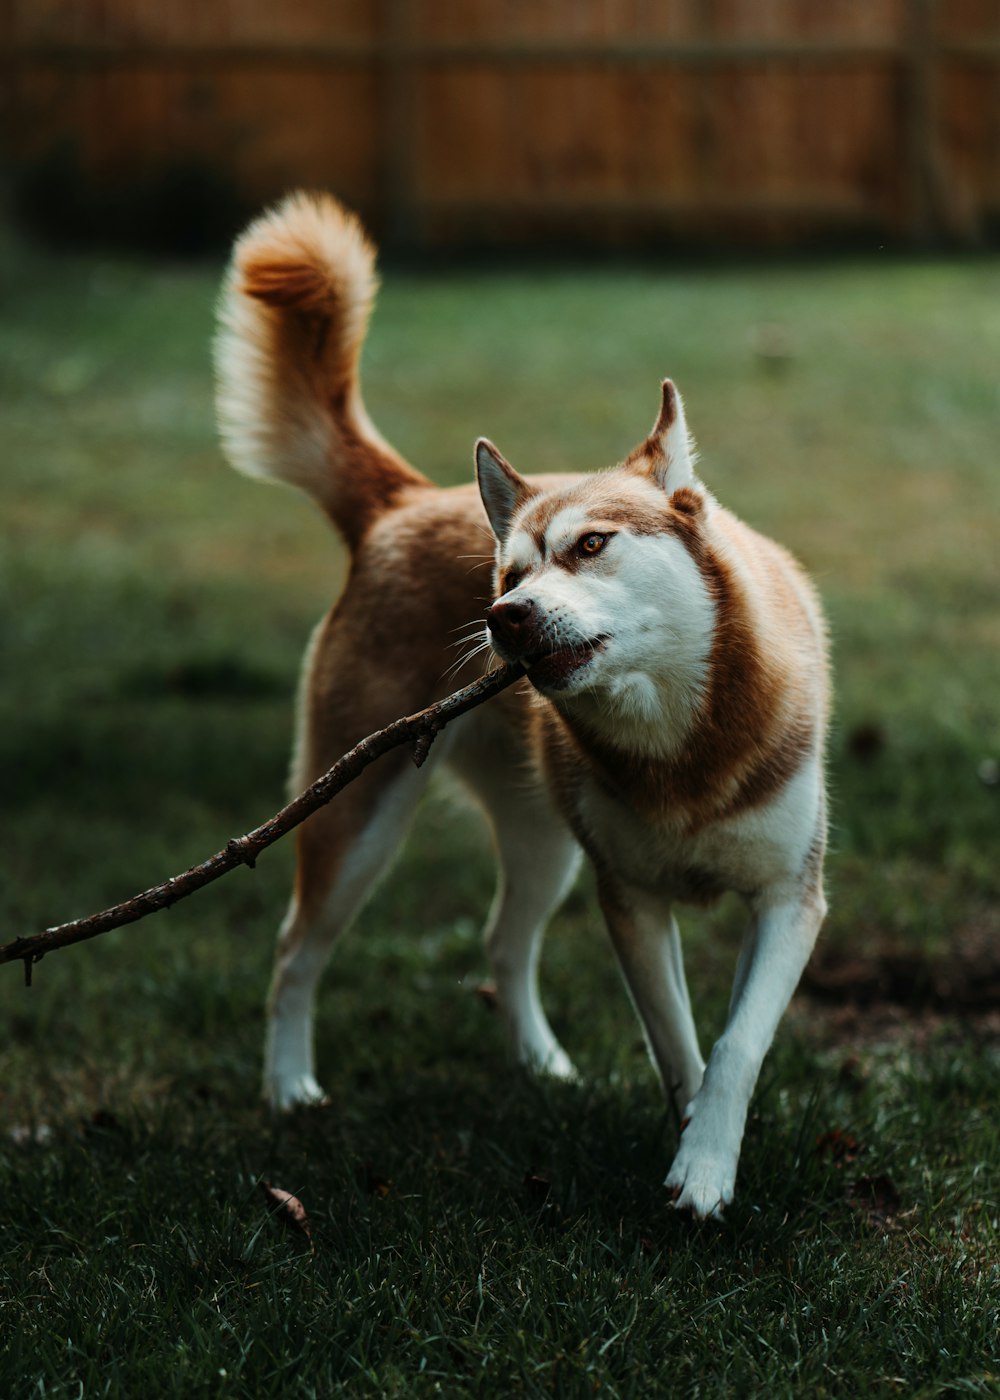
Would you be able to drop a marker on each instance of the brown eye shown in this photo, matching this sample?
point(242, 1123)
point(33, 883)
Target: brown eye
point(510, 581)
point(591, 544)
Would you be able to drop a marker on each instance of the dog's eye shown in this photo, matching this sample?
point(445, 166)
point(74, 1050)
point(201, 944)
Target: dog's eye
point(510, 581)
point(591, 544)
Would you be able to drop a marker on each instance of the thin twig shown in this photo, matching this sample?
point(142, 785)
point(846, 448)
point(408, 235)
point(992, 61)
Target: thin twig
point(418, 730)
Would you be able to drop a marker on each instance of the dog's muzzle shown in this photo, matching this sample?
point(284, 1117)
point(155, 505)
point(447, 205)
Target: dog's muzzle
point(518, 634)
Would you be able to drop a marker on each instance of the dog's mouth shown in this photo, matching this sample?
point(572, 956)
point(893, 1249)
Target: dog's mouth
point(553, 669)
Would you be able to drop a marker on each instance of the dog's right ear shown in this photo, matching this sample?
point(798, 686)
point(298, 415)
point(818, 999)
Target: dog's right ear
point(670, 448)
point(502, 490)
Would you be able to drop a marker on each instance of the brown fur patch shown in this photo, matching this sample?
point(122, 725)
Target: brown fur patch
point(371, 479)
point(570, 560)
point(288, 282)
point(688, 501)
point(667, 416)
point(644, 459)
point(610, 500)
point(739, 734)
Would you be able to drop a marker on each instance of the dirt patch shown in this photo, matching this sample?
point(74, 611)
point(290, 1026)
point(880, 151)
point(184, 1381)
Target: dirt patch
point(885, 992)
point(826, 1023)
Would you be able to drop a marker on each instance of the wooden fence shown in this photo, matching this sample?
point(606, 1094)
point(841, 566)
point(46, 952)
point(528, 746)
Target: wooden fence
point(467, 121)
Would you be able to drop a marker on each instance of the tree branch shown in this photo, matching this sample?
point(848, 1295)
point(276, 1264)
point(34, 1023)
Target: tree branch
point(418, 729)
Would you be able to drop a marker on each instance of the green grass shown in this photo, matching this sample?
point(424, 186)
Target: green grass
point(154, 609)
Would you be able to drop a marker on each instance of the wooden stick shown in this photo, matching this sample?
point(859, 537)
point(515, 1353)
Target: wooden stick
point(418, 729)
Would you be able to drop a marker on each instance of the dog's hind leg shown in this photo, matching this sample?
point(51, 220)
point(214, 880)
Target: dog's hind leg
point(537, 861)
point(342, 851)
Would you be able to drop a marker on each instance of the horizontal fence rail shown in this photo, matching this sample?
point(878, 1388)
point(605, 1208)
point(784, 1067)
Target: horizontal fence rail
point(705, 53)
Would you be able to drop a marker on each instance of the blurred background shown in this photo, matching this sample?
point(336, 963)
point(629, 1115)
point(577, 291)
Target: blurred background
point(461, 123)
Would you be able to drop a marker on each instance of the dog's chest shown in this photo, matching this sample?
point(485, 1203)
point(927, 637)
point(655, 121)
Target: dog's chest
point(666, 857)
point(657, 856)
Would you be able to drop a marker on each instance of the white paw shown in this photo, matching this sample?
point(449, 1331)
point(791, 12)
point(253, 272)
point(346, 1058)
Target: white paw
point(551, 1060)
point(704, 1192)
point(285, 1092)
point(701, 1180)
point(559, 1065)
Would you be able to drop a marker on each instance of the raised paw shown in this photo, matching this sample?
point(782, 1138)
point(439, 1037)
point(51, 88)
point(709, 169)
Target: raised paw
point(704, 1200)
point(550, 1059)
point(701, 1184)
point(558, 1065)
point(294, 1091)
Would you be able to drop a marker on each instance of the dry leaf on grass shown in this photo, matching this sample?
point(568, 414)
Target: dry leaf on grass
point(487, 994)
point(841, 1147)
point(373, 1183)
point(289, 1210)
point(537, 1186)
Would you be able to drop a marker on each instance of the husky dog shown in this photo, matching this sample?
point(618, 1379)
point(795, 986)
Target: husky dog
point(673, 728)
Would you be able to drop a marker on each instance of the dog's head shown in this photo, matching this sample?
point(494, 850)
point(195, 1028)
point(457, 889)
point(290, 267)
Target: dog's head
point(599, 585)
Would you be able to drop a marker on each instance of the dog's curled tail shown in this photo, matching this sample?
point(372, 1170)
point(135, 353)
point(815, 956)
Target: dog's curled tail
point(292, 317)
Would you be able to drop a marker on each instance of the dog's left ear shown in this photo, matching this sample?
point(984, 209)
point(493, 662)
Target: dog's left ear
point(502, 489)
point(669, 450)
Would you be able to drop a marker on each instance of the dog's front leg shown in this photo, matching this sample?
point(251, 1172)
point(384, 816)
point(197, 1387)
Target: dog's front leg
point(776, 948)
point(647, 941)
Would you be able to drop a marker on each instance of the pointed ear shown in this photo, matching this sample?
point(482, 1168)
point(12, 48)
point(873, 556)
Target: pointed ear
point(670, 448)
point(502, 490)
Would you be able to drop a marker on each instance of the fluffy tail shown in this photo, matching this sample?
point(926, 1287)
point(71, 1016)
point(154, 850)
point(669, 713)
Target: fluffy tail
point(292, 316)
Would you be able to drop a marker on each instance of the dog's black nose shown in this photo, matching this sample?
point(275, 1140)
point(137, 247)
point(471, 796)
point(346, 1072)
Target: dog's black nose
point(509, 620)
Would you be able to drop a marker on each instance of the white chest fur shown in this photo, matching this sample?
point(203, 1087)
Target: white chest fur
point(745, 853)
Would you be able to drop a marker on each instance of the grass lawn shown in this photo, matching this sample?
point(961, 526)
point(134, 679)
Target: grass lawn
point(476, 1231)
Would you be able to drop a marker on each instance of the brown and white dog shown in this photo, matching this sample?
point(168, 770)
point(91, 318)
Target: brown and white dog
point(673, 728)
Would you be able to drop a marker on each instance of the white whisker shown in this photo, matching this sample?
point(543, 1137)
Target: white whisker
point(472, 622)
point(483, 645)
point(472, 636)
